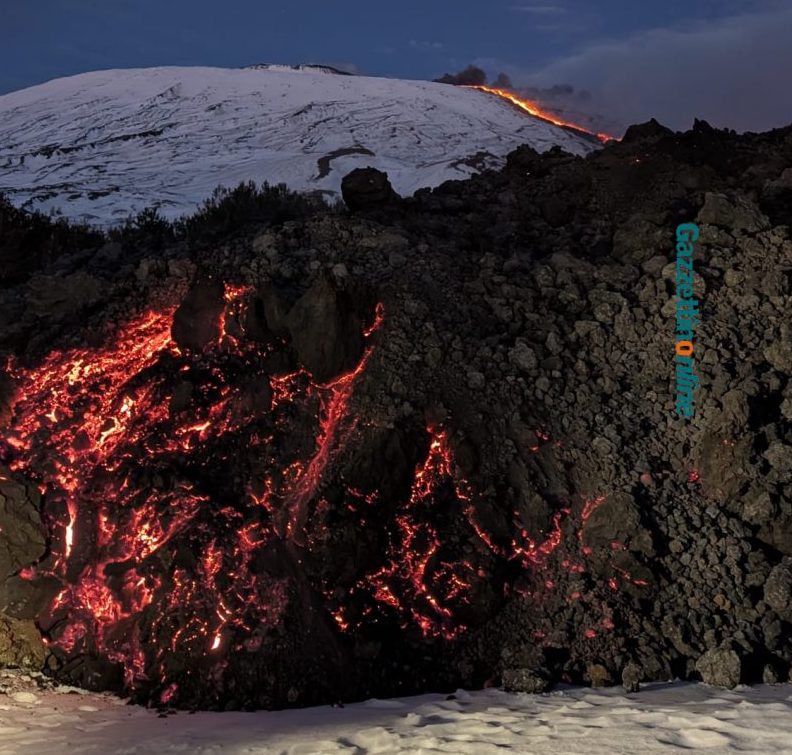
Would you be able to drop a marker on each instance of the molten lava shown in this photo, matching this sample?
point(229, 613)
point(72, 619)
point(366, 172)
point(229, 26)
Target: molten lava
point(418, 582)
point(534, 109)
point(131, 481)
point(171, 480)
point(335, 398)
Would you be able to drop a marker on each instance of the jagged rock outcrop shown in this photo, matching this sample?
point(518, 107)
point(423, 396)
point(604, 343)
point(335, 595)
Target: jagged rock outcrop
point(197, 319)
point(22, 534)
point(325, 330)
point(21, 645)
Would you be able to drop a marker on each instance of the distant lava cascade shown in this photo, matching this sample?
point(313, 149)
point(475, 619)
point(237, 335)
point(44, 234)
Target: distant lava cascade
point(535, 109)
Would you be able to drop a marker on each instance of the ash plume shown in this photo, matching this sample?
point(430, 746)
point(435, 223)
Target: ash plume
point(472, 75)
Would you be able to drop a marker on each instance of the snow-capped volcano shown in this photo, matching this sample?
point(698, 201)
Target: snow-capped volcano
point(99, 147)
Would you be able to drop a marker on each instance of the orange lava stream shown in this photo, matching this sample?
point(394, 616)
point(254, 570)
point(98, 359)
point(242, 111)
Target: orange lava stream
point(417, 583)
point(79, 406)
point(336, 397)
point(92, 424)
point(84, 420)
point(532, 108)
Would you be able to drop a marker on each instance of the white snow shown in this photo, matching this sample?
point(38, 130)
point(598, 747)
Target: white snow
point(100, 146)
point(662, 718)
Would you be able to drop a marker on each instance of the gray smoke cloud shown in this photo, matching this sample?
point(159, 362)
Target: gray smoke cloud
point(475, 76)
point(472, 75)
point(734, 73)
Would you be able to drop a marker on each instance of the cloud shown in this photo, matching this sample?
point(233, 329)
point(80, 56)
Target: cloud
point(733, 72)
point(472, 75)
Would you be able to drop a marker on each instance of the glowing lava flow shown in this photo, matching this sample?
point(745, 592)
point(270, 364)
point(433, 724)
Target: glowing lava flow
point(75, 408)
point(88, 423)
point(334, 410)
point(535, 110)
point(171, 479)
point(137, 483)
point(77, 415)
point(424, 584)
point(333, 413)
point(418, 583)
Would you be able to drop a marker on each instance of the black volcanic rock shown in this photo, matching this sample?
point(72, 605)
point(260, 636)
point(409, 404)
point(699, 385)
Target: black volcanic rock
point(325, 331)
point(23, 542)
point(649, 131)
point(525, 159)
point(23, 539)
point(720, 667)
point(523, 680)
point(197, 319)
point(21, 645)
point(778, 589)
point(367, 189)
point(777, 197)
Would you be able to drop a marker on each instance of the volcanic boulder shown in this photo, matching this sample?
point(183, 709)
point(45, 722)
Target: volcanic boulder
point(779, 352)
point(257, 324)
point(617, 519)
point(598, 675)
point(269, 313)
point(720, 667)
point(734, 214)
point(650, 131)
point(523, 680)
point(21, 645)
point(22, 534)
point(525, 160)
point(325, 331)
point(778, 589)
point(632, 676)
point(777, 198)
point(366, 189)
point(22, 542)
point(196, 322)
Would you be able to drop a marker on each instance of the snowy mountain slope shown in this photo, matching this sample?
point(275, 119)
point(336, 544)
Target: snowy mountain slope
point(101, 146)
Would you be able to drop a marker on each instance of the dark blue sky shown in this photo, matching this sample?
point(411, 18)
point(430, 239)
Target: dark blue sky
point(727, 60)
point(413, 39)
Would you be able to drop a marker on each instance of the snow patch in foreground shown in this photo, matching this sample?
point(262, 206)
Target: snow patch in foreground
point(661, 718)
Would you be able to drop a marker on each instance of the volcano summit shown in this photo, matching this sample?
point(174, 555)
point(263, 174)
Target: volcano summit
point(100, 146)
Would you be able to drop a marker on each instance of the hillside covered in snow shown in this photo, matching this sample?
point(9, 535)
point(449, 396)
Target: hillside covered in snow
point(99, 147)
